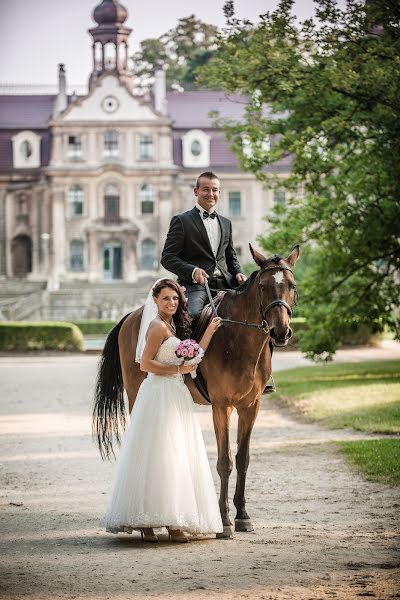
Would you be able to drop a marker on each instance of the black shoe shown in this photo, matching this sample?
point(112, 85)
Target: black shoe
point(270, 388)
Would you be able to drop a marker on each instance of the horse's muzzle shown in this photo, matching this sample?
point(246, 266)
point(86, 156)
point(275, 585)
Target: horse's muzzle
point(280, 335)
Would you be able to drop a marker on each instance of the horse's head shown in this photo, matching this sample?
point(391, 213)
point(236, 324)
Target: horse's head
point(277, 293)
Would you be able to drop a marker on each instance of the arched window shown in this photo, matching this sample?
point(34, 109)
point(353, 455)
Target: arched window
point(110, 55)
point(76, 262)
point(148, 255)
point(111, 203)
point(110, 144)
point(75, 196)
point(147, 199)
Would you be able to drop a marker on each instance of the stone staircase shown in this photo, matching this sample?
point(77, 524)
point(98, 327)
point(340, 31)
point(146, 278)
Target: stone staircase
point(21, 300)
point(83, 300)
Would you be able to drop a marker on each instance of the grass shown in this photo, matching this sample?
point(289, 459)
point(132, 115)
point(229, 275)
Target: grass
point(379, 460)
point(363, 396)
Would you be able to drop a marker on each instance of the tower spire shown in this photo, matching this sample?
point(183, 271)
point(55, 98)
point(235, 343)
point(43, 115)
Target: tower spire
point(110, 42)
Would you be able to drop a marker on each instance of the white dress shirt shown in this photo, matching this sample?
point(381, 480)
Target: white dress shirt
point(214, 235)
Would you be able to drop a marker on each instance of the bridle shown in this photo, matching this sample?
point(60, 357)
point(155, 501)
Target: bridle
point(279, 302)
point(264, 325)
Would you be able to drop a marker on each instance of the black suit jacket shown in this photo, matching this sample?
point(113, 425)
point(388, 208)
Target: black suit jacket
point(187, 246)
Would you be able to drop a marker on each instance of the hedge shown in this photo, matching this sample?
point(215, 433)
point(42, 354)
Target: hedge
point(94, 326)
point(25, 335)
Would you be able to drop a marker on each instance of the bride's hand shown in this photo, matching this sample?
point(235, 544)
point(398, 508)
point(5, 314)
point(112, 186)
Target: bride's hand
point(215, 324)
point(187, 369)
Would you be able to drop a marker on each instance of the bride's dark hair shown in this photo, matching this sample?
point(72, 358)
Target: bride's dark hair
point(181, 318)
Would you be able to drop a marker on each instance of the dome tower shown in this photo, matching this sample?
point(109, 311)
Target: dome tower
point(110, 42)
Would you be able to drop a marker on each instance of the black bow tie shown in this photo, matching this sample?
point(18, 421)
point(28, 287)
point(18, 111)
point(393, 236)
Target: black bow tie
point(207, 215)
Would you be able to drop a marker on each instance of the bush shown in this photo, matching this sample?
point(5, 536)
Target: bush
point(94, 326)
point(353, 336)
point(24, 335)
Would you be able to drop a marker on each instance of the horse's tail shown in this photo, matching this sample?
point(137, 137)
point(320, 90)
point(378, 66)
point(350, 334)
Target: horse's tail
point(109, 406)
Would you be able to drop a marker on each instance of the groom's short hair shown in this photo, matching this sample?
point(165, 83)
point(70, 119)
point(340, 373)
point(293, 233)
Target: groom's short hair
point(206, 175)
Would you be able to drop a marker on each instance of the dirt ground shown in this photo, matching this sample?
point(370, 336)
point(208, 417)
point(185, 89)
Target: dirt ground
point(321, 531)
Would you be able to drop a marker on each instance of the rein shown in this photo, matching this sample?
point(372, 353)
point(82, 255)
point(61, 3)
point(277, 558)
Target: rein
point(264, 325)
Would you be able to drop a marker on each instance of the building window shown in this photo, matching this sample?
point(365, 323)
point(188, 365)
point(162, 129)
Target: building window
point(195, 148)
point(234, 204)
point(146, 147)
point(76, 256)
point(279, 197)
point(74, 146)
point(111, 144)
point(111, 204)
point(148, 255)
point(147, 199)
point(75, 195)
point(26, 149)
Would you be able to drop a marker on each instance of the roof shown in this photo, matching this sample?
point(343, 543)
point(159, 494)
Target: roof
point(26, 112)
point(191, 109)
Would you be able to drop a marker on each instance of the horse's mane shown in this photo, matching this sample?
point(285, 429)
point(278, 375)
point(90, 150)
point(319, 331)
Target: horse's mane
point(243, 287)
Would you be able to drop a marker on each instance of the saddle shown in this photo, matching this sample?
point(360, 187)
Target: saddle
point(198, 330)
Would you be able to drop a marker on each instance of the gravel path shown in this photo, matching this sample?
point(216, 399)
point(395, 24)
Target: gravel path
point(321, 530)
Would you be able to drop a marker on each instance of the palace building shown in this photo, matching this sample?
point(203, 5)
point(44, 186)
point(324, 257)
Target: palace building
point(89, 183)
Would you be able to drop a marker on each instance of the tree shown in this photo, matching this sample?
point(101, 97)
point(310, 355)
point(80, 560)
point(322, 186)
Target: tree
point(325, 92)
point(182, 49)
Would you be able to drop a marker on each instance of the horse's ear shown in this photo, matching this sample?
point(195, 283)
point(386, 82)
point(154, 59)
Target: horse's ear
point(259, 259)
point(294, 255)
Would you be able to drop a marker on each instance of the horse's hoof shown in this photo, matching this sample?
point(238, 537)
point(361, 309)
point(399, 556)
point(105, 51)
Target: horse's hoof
point(243, 525)
point(226, 534)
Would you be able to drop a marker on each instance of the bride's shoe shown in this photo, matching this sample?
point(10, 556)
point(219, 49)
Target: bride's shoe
point(176, 535)
point(148, 535)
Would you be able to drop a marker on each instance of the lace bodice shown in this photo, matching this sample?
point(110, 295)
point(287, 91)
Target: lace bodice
point(166, 352)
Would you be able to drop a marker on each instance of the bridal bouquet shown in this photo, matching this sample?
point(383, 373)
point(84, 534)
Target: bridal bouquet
point(191, 353)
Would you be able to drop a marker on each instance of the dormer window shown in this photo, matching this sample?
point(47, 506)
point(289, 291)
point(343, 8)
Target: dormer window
point(196, 149)
point(74, 146)
point(26, 150)
point(111, 144)
point(146, 147)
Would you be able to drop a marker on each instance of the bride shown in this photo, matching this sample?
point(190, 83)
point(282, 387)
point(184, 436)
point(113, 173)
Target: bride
point(163, 478)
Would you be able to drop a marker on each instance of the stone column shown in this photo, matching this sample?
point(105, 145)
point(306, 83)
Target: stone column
point(3, 196)
point(58, 239)
point(9, 202)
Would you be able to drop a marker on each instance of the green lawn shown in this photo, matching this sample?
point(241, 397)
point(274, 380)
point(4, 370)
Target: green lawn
point(363, 396)
point(379, 460)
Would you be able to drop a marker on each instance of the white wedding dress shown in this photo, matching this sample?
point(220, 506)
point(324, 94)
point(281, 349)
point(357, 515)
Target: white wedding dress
point(163, 476)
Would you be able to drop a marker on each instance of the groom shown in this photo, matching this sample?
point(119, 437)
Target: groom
point(199, 247)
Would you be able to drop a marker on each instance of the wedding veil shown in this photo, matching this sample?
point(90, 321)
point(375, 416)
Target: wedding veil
point(149, 313)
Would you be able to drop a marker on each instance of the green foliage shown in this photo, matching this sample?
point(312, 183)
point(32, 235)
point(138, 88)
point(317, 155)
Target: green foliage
point(326, 94)
point(21, 336)
point(181, 50)
point(95, 326)
point(379, 460)
point(364, 396)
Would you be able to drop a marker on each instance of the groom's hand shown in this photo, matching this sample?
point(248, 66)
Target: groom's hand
point(240, 277)
point(199, 276)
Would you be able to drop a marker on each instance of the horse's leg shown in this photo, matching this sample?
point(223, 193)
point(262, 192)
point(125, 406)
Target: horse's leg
point(221, 418)
point(247, 416)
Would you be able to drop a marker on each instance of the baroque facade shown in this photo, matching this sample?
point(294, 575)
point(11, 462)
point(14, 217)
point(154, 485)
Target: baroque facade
point(89, 183)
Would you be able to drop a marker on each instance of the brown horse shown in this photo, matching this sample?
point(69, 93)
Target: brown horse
point(236, 368)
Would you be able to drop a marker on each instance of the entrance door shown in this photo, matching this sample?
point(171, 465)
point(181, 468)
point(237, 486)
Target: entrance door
point(112, 262)
point(21, 250)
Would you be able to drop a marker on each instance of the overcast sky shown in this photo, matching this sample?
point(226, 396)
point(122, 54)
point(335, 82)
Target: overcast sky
point(36, 35)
